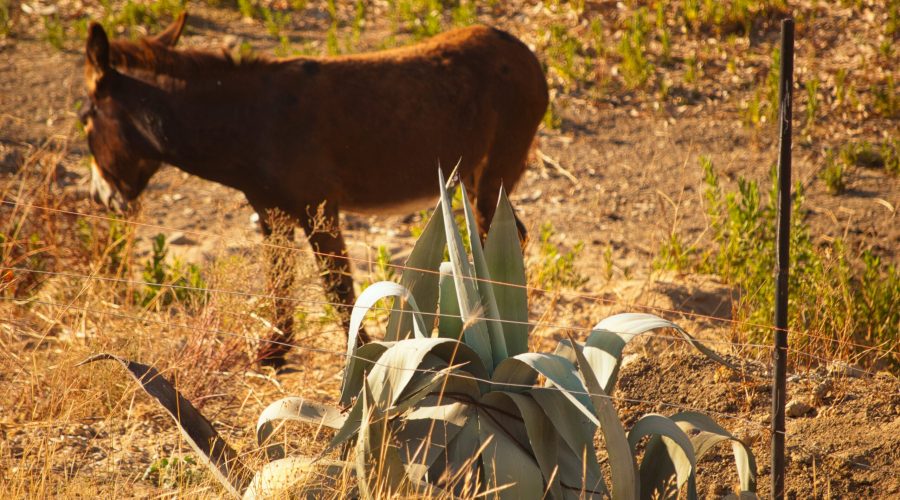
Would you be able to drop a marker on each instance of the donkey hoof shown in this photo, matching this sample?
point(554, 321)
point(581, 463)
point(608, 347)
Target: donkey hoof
point(276, 361)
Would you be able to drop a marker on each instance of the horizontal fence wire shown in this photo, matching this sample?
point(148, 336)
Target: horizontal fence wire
point(342, 354)
point(532, 324)
point(370, 262)
point(530, 288)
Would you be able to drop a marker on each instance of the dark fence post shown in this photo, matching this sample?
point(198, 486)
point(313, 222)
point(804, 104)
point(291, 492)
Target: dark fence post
point(779, 388)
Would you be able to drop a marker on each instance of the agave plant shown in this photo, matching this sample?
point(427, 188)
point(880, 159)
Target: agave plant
point(452, 403)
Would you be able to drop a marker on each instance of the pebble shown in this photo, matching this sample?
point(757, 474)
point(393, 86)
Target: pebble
point(797, 408)
point(842, 369)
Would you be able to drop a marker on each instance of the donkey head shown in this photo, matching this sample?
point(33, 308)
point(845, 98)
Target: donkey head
point(122, 126)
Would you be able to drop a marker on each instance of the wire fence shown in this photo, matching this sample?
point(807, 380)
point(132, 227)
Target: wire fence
point(593, 298)
point(300, 345)
point(346, 357)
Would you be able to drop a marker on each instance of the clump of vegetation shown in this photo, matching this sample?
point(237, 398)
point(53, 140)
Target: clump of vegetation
point(833, 174)
point(54, 32)
point(5, 18)
point(836, 296)
point(675, 255)
point(173, 472)
point(636, 67)
point(133, 14)
point(462, 407)
point(167, 283)
point(565, 57)
point(812, 101)
point(886, 102)
point(554, 268)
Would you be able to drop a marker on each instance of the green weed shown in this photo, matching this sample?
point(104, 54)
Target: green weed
point(247, 8)
point(691, 70)
point(465, 13)
point(885, 98)
point(275, 21)
point(167, 283)
point(552, 120)
point(840, 86)
point(812, 101)
point(174, 472)
point(54, 32)
point(636, 67)
point(662, 32)
point(674, 255)
point(890, 154)
point(752, 115)
point(833, 174)
point(861, 154)
point(5, 18)
point(565, 55)
point(555, 268)
point(835, 295)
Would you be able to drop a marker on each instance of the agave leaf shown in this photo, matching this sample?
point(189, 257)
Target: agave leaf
point(294, 408)
point(706, 433)
point(399, 364)
point(221, 459)
point(427, 430)
point(358, 365)
point(350, 427)
point(426, 255)
point(369, 297)
point(542, 436)
point(578, 480)
point(524, 368)
point(363, 451)
point(450, 324)
point(576, 431)
point(484, 287)
point(677, 445)
point(603, 348)
point(280, 478)
point(621, 458)
point(503, 254)
point(460, 458)
point(629, 325)
point(506, 464)
point(476, 333)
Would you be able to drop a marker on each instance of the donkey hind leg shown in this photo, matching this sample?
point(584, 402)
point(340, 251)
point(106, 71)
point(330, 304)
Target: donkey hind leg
point(326, 240)
point(506, 162)
point(281, 267)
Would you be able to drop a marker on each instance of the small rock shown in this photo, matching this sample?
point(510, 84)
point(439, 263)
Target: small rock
point(797, 408)
point(180, 239)
point(823, 390)
point(843, 369)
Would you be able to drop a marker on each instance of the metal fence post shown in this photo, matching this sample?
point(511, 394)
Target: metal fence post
point(779, 388)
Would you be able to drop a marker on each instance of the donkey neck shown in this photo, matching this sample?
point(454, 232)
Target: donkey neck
point(205, 106)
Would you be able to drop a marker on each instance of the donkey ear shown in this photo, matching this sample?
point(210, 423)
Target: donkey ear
point(170, 35)
point(97, 52)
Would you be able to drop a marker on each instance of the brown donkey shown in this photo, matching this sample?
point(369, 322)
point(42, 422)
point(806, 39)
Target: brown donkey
point(301, 136)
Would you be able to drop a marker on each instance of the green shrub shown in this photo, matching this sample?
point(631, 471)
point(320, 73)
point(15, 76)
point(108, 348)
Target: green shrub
point(833, 174)
point(167, 283)
point(828, 307)
point(636, 67)
point(553, 267)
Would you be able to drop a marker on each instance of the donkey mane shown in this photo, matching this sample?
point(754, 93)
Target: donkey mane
point(148, 55)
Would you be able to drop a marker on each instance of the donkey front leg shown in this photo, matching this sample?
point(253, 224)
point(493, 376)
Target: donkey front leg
point(281, 268)
point(326, 240)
